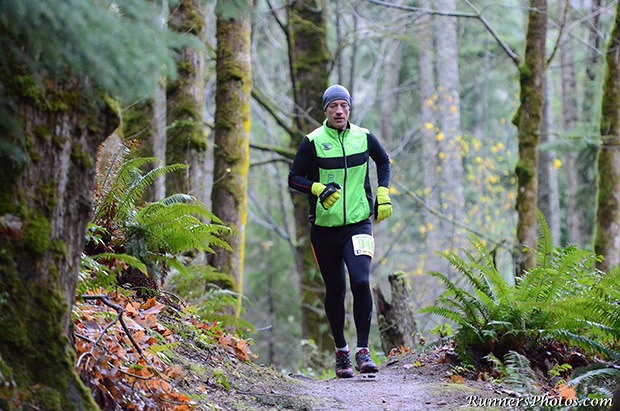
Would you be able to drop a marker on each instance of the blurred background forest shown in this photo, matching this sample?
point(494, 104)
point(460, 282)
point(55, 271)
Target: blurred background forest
point(397, 63)
point(440, 91)
point(215, 97)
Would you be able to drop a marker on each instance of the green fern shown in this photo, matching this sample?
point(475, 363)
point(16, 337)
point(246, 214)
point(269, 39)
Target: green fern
point(154, 238)
point(564, 298)
point(120, 195)
point(516, 372)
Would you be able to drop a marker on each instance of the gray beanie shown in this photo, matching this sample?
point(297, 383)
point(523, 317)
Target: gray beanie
point(333, 93)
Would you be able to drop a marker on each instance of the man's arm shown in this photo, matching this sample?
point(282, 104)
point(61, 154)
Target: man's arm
point(298, 176)
point(381, 159)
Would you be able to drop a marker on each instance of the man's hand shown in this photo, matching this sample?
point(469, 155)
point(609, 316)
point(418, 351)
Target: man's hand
point(328, 193)
point(383, 206)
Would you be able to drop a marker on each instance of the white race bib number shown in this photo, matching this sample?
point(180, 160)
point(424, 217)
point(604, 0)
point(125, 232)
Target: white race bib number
point(363, 244)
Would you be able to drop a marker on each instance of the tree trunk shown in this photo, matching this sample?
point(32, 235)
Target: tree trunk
point(432, 239)
point(449, 113)
point(575, 218)
point(397, 325)
point(607, 227)
point(46, 204)
point(389, 101)
point(232, 140)
point(528, 120)
point(548, 192)
point(587, 157)
point(144, 121)
point(187, 133)
point(309, 57)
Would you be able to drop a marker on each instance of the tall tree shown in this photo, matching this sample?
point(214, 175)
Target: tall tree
point(588, 115)
point(391, 81)
point(449, 118)
point(429, 129)
point(309, 58)
point(548, 192)
point(232, 134)
point(607, 227)
point(45, 207)
point(528, 120)
point(52, 119)
point(574, 214)
point(187, 132)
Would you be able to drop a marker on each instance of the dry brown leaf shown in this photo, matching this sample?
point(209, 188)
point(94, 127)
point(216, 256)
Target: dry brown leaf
point(568, 393)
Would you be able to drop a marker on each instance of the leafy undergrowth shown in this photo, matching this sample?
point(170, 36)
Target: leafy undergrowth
point(544, 376)
point(137, 354)
point(141, 354)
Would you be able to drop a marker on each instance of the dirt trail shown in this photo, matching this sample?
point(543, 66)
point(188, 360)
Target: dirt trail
point(398, 387)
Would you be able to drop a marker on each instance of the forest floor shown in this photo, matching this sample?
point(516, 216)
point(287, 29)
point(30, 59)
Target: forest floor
point(179, 363)
point(405, 383)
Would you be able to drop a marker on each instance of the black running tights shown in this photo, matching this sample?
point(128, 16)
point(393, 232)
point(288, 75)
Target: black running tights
point(333, 249)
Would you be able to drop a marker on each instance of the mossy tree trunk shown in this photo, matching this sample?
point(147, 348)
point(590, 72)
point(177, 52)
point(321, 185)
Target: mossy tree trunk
point(232, 138)
point(528, 120)
point(607, 226)
point(45, 205)
point(185, 99)
point(309, 58)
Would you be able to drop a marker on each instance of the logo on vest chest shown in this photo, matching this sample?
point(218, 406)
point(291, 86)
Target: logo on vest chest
point(327, 146)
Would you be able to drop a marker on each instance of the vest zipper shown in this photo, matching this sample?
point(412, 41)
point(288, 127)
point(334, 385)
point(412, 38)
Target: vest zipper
point(344, 183)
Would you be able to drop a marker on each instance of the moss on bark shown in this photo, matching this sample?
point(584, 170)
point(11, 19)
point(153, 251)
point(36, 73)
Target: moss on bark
point(186, 133)
point(607, 224)
point(529, 121)
point(44, 209)
point(232, 141)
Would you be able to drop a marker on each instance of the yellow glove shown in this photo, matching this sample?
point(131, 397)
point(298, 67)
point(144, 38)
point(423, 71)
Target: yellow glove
point(328, 194)
point(383, 206)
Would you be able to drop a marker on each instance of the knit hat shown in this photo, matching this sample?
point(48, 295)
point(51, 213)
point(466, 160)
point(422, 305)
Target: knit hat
point(333, 93)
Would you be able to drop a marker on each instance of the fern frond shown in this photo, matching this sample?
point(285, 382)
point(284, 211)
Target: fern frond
point(469, 305)
point(520, 375)
point(130, 260)
point(545, 241)
point(581, 341)
point(607, 373)
point(140, 183)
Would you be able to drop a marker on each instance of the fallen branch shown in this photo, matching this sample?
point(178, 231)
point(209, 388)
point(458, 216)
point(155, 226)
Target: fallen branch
point(106, 300)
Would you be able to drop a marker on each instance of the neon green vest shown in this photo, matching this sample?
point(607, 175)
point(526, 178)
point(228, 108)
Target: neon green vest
point(342, 157)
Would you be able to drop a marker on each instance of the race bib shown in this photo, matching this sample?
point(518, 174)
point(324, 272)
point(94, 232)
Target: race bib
point(363, 244)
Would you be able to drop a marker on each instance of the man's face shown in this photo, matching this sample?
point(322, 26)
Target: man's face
point(338, 114)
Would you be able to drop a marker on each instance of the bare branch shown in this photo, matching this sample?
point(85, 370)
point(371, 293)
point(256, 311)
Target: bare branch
point(106, 300)
point(275, 16)
point(440, 215)
point(513, 56)
point(476, 15)
point(270, 161)
point(558, 41)
point(261, 99)
point(283, 151)
point(421, 10)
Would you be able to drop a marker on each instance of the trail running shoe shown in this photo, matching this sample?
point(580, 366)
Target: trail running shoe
point(365, 364)
point(343, 365)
